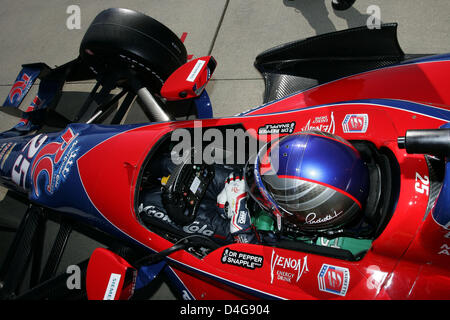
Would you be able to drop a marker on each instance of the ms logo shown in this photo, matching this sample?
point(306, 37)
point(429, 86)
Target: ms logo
point(18, 88)
point(54, 160)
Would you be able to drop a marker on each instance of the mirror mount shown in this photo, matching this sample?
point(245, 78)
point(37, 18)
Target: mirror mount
point(189, 80)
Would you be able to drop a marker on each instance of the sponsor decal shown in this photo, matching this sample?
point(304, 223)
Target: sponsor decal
point(194, 228)
point(445, 249)
point(19, 87)
point(286, 268)
point(321, 123)
point(334, 279)
point(5, 150)
point(196, 70)
point(422, 184)
point(55, 160)
point(112, 287)
point(242, 217)
point(277, 128)
point(355, 123)
point(152, 212)
point(242, 259)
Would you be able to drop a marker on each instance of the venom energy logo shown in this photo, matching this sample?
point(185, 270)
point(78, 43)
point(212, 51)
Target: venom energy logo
point(287, 269)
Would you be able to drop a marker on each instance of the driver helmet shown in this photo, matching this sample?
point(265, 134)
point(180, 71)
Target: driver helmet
point(311, 181)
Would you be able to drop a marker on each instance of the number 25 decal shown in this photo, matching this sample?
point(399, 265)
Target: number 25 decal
point(45, 159)
point(422, 184)
point(22, 164)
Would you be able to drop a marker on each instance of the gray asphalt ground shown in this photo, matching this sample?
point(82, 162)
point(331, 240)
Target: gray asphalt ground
point(233, 31)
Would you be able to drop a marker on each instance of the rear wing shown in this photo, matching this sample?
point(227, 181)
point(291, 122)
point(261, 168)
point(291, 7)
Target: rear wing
point(50, 84)
point(24, 81)
point(29, 114)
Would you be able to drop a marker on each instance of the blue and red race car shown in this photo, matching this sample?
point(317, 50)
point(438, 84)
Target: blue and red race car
point(91, 173)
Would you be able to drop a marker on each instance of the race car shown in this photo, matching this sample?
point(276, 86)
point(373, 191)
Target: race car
point(355, 89)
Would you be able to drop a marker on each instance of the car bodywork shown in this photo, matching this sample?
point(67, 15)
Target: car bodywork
point(357, 84)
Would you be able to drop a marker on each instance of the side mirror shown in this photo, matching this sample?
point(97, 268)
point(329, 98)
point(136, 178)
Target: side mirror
point(189, 80)
point(109, 276)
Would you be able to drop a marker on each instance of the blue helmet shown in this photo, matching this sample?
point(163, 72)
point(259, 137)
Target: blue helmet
point(311, 181)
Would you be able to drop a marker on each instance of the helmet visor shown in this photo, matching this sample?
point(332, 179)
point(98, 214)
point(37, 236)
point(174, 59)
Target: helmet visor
point(255, 185)
point(253, 188)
